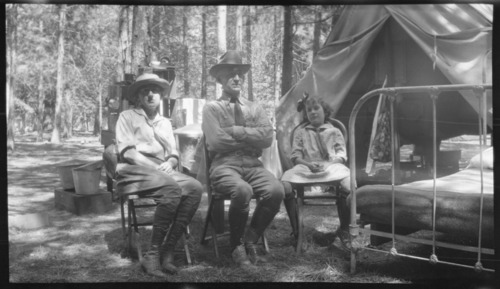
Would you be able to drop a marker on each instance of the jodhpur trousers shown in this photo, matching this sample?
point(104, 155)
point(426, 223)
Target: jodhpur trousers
point(241, 177)
point(177, 195)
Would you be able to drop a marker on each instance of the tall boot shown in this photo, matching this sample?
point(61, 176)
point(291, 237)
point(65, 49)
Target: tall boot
point(168, 248)
point(151, 261)
point(255, 252)
point(344, 213)
point(344, 218)
point(291, 208)
point(262, 217)
point(237, 222)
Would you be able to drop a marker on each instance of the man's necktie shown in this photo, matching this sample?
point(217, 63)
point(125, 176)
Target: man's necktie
point(239, 120)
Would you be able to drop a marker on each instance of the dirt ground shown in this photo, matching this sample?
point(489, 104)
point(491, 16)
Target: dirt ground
point(90, 248)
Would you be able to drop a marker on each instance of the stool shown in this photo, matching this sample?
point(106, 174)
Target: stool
point(130, 227)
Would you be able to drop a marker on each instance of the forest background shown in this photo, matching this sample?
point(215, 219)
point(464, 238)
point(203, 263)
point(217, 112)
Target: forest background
point(61, 59)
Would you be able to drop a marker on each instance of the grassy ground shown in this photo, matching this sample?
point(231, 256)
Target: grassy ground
point(90, 248)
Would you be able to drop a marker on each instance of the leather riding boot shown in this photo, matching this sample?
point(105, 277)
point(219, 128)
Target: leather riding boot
point(262, 217)
point(291, 208)
point(255, 252)
point(343, 212)
point(151, 261)
point(344, 217)
point(168, 248)
point(237, 223)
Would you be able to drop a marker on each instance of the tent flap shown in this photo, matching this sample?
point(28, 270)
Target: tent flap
point(457, 37)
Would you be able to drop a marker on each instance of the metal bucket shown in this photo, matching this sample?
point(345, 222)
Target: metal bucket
point(66, 174)
point(87, 178)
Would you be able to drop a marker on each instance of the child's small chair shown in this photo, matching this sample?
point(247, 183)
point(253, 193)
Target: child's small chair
point(298, 220)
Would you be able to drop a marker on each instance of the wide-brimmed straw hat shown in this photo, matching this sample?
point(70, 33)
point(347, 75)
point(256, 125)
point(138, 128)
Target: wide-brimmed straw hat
point(229, 60)
point(144, 80)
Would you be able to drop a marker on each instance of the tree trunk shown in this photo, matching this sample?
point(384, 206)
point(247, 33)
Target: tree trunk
point(11, 70)
point(317, 31)
point(204, 52)
point(286, 78)
point(185, 28)
point(85, 125)
point(124, 65)
point(150, 55)
point(22, 124)
point(66, 122)
point(98, 117)
point(249, 50)
point(239, 28)
point(221, 39)
point(39, 112)
point(97, 123)
point(277, 55)
point(60, 76)
point(136, 20)
point(70, 113)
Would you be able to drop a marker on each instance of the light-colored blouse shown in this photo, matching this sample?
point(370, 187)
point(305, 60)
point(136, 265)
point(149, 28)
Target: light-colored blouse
point(153, 138)
point(322, 144)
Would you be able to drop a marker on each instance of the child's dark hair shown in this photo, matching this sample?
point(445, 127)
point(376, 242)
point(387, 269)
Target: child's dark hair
point(301, 106)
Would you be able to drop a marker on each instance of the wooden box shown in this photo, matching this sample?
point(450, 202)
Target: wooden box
point(83, 204)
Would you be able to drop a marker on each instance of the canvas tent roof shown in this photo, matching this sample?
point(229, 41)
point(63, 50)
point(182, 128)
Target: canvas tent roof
point(455, 37)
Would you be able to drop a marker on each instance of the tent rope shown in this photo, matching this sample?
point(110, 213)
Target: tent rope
point(434, 93)
point(435, 54)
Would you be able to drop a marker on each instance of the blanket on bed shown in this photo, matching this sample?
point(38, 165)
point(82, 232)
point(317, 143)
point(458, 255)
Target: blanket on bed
point(457, 204)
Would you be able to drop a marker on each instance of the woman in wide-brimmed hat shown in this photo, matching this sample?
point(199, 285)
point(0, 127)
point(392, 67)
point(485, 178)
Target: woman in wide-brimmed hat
point(148, 155)
point(147, 80)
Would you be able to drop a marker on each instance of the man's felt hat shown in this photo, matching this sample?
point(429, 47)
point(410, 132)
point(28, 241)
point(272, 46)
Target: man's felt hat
point(144, 80)
point(229, 60)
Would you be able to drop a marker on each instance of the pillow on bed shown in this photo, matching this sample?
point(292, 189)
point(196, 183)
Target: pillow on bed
point(487, 160)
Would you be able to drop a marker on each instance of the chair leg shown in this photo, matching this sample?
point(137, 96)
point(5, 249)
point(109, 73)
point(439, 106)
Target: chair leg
point(186, 248)
point(264, 240)
point(209, 221)
point(214, 240)
point(300, 215)
point(208, 218)
point(129, 227)
point(122, 211)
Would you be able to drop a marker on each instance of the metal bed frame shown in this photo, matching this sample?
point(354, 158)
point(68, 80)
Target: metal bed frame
point(354, 229)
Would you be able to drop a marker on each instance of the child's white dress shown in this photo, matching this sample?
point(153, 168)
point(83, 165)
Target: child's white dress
point(321, 145)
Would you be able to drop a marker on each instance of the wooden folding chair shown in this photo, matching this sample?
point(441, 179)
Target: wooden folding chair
point(130, 223)
point(215, 212)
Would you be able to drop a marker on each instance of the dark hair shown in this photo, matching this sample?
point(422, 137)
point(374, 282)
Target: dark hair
point(301, 106)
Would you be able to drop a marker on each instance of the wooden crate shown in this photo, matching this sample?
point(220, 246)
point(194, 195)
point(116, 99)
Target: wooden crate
point(83, 204)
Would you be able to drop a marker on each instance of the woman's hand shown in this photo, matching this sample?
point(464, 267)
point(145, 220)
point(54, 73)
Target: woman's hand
point(315, 167)
point(166, 167)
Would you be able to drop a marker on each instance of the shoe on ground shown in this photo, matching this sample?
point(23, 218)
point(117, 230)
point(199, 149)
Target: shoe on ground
point(256, 254)
point(345, 240)
point(168, 263)
point(323, 239)
point(150, 263)
point(240, 256)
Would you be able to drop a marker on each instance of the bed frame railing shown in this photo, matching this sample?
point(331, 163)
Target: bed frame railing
point(433, 92)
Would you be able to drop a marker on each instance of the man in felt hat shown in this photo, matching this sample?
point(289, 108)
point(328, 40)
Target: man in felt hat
point(148, 157)
point(236, 130)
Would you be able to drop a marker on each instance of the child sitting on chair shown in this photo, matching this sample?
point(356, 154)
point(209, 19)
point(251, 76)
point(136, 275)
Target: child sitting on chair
point(319, 155)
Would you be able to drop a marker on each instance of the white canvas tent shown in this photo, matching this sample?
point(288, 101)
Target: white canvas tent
point(411, 45)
